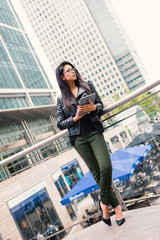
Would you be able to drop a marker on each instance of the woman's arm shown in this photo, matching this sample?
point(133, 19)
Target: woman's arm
point(63, 121)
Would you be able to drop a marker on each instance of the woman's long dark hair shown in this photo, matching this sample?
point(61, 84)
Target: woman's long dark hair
point(64, 87)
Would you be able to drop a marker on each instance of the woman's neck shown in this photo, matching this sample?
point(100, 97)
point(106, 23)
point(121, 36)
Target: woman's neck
point(74, 88)
point(71, 84)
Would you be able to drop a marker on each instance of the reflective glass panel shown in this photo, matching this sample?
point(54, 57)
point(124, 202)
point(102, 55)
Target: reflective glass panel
point(41, 100)
point(33, 215)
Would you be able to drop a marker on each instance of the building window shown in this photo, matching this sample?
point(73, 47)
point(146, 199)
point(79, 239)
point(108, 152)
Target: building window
point(13, 102)
point(124, 138)
point(116, 143)
point(72, 172)
point(41, 100)
point(62, 190)
point(34, 213)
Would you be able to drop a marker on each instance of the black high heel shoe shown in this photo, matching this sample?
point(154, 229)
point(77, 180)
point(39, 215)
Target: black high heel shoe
point(120, 222)
point(106, 221)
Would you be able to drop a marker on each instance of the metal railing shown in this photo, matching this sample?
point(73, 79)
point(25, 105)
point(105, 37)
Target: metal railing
point(37, 146)
point(65, 132)
point(98, 213)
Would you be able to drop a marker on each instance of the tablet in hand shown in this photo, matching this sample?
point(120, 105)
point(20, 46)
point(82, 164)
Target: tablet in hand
point(84, 100)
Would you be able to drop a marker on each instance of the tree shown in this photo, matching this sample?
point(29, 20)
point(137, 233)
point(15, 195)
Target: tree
point(146, 103)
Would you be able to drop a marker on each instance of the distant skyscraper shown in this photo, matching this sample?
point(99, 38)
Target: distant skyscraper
point(118, 41)
point(67, 31)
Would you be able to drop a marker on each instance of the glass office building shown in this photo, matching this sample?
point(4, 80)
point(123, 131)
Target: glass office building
point(27, 116)
point(27, 97)
point(67, 31)
point(119, 43)
point(19, 66)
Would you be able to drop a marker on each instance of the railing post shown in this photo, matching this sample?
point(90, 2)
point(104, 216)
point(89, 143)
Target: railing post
point(119, 197)
point(1, 238)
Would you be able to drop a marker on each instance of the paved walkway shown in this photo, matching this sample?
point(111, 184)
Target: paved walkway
point(142, 223)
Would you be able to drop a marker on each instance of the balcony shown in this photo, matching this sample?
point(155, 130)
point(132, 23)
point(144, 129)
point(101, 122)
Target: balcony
point(133, 120)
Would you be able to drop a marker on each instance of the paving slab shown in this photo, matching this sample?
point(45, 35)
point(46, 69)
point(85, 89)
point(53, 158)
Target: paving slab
point(142, 223)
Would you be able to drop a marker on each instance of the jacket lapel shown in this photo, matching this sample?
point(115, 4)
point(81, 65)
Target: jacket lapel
point(80, 92)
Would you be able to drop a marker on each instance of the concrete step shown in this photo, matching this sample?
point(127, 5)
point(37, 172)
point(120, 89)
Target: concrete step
point(142, 223)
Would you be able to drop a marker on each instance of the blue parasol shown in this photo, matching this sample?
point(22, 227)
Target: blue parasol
point(124, 162)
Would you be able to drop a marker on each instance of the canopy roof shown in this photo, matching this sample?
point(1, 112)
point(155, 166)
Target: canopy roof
point(10, 116)
point(124, 162)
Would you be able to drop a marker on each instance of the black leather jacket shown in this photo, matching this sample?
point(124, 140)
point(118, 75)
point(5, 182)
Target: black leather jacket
point(65, 117)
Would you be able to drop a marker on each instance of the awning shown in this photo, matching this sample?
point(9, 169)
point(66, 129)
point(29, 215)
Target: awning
point(10, 116)
point(124, 162)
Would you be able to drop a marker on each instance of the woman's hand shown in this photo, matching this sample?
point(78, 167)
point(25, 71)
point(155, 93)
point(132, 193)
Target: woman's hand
point(83, 110)
point(78, 115)
point(87, 107)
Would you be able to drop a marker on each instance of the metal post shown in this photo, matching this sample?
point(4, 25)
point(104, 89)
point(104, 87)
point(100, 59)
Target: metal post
point(1, 238)
point(119, 197)
point(32, 141)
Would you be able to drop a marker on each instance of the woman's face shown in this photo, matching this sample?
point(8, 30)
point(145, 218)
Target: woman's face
point(69, 73)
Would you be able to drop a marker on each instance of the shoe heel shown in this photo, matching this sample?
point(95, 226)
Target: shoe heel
point(99, 206)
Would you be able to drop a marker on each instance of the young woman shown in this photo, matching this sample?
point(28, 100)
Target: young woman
point(85, 132)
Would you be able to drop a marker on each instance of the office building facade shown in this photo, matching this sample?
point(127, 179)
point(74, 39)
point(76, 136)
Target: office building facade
point(27, 97)
point(119, 43)
point(67, 31)
point(28, 112)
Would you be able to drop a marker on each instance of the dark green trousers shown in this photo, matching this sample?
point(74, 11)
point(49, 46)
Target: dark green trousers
point(93, 150)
